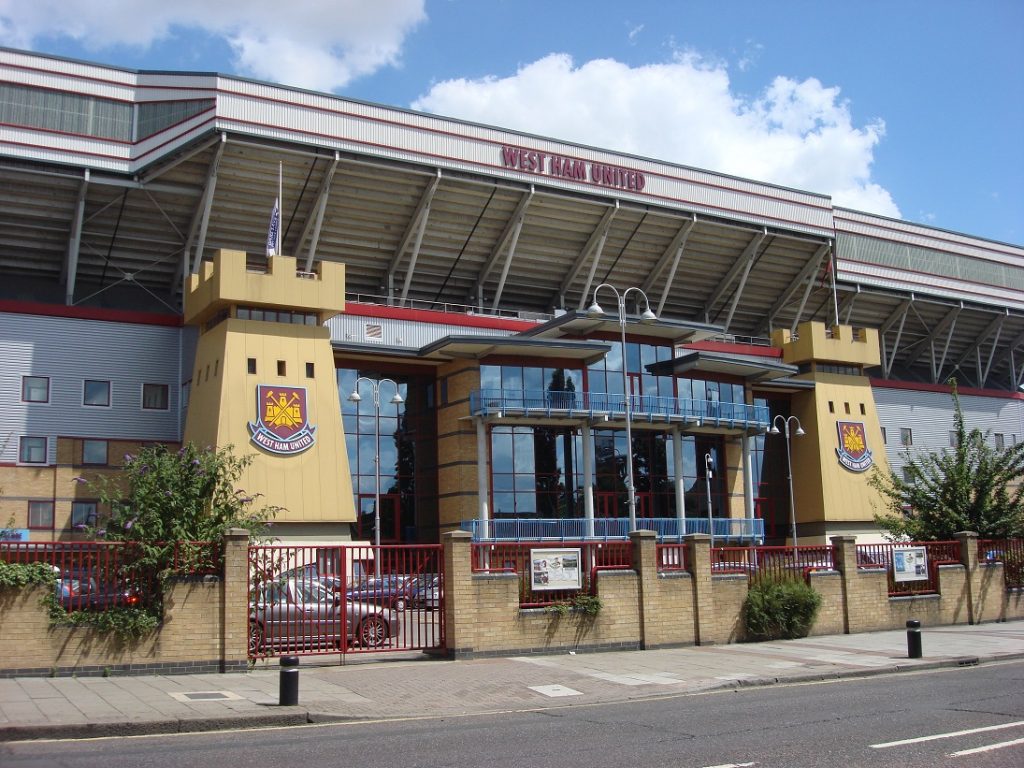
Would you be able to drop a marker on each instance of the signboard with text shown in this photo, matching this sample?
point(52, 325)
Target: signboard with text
point(910, 564)
point(555, 569)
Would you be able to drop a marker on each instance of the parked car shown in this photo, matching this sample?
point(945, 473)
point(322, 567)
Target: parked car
point(82, 591)
point(302, 613)
point(425, 591)
point(392, 590)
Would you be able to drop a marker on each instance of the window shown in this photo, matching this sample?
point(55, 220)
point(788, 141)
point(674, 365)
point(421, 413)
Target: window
point(846, 407)
point(83, 514)
point(40, 514)
point(35, 389)
point(906, 436)
point(281, 368)
point(831, 407)
point(908, 475)
point(863, 410)
point(154, 397)
point(32, 450)
point(309, 370)
point(952, 439)
point(94, 451)
point(251, 365)
point(1000, 441)
point(883, 436)
point(96, 393)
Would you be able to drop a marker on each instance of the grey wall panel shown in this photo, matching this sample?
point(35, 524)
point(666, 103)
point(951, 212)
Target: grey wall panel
point(69, 351)
point(358, 329)
point(930, 417)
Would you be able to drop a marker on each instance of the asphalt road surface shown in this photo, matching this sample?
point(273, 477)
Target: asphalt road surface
point(961, 718)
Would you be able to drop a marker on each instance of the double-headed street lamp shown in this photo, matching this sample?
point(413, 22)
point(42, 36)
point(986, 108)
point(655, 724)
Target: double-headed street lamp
point(595, 311)
point(396, 400)
point(786, 422)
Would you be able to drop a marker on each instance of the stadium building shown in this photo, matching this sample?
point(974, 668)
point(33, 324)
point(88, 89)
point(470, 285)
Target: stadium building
point(543, 338)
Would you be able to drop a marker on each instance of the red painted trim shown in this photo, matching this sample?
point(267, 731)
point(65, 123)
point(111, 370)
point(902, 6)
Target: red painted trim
point(381, 312)
point(89, 313)
point(753, 350)
point(945, 389)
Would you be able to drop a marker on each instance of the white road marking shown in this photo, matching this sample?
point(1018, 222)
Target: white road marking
point(950, 735)
point(732, 765)
point(554, 690)
point(989, 748)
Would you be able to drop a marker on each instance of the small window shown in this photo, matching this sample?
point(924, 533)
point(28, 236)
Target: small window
point(35, 389)
point(309, 370)
point(952, 439)
point(94, 451)
point(884, 441)
point(281, 368)
point(96, 392)
point(216, 367)
point(251, 365)
point(154, 397)
point(83, 514)
point(908, 475)
point(906, 436)
point(831, 407)
point(863, 410)
point(1000, 441)
point(242, 313)
point(40, 515)
point(32, 450)
point(846, 407)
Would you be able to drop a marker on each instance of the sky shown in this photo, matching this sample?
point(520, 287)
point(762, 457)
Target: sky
point(912, 109)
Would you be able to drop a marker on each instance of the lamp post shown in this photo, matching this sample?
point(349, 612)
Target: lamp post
point(786, 422)
point(595, 311)
point(396, 400)
point(709, 467)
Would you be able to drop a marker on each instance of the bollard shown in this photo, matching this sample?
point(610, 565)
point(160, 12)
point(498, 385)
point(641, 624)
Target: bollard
point(288, 693)
point(913, 639)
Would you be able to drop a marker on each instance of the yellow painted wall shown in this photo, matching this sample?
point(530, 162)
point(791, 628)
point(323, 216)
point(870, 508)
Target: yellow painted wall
point(314, 486)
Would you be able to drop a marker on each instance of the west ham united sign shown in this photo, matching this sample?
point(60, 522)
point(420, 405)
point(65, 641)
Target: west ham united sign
point(853, 450)
point(282, 420)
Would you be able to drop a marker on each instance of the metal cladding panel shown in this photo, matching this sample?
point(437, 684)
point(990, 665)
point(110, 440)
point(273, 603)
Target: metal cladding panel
point(354, 329)
point(930, 416)
point(70, 350)
point(931, 285)
point(65, 74)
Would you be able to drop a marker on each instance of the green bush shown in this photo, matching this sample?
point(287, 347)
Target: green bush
point(780, 609)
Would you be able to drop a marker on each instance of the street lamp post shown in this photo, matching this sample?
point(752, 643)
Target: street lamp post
point(396, 400)
point(786, 422)
point(709, 467)
point(648, 316)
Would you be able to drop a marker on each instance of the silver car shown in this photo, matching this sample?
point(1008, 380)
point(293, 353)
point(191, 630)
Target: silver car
point(291, 614)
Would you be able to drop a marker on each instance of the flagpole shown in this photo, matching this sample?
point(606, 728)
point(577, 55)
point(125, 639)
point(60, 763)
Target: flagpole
point(280, 197)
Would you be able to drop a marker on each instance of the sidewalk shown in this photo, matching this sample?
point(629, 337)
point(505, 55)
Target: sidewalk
point(37, 708)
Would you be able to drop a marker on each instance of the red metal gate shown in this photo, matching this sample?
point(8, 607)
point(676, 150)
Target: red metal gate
point(325, 599)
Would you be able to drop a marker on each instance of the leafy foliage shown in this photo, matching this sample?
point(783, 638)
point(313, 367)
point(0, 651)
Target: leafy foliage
point(169, 501)
point(972, 486)
point(15, 575)
point(588, 605)
point(780, 609)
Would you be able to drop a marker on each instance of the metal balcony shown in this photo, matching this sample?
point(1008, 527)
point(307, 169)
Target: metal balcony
point(611, 528)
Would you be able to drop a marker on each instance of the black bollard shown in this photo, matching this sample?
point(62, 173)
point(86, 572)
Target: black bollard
point(913, 639)
point(288, 694)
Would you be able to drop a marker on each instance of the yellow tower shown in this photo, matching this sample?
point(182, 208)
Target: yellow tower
point(843, 440)
point(264, 381)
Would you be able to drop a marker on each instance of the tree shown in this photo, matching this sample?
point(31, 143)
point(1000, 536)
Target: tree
point(972, 486)
point(168, 502)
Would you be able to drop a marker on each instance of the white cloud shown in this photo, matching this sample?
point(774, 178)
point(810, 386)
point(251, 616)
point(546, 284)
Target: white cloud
point(795, 133)
point(324, 45)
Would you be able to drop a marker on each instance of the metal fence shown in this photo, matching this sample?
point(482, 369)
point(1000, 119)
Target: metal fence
point(97, 575)
point(535, 562)
point(325, 599)
point(902, 581)
point(1009, 552)
point(776, 563)
point(673, 557)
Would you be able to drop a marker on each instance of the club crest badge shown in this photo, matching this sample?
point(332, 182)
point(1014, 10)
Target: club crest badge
point(282, 420)
point(853, 450)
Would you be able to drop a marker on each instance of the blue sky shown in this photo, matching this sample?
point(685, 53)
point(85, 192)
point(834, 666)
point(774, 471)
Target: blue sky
point(912, 109)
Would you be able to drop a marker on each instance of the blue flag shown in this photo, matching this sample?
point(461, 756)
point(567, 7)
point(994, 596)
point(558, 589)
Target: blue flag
point(274, 229)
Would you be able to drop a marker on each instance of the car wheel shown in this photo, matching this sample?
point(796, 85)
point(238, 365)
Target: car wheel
point(399, 604)
point(373, 631)
point(257, 641)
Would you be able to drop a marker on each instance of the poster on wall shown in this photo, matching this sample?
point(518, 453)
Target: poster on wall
point(555, 569)
point(910, 564)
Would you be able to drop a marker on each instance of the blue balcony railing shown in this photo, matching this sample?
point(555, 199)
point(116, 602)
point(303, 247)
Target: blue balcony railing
point(544, 403)
point(578, 529)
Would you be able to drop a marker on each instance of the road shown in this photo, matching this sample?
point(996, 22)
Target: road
point(962, 718)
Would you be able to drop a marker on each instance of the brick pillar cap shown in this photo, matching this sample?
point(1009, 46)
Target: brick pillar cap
point(843, 539)
point(966, 535)
point(697, 537)
point(458, 535)
point(643, 535)
point(240, 533)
